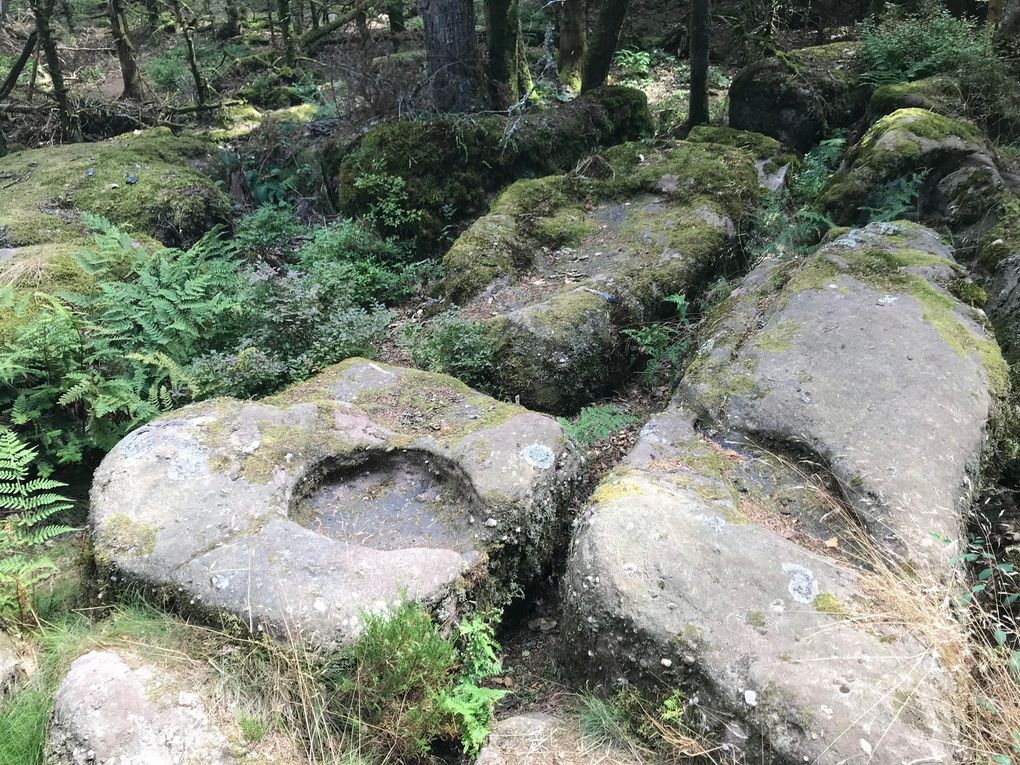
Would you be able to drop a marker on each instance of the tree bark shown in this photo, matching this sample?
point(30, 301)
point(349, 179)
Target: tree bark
point(287, 33)
point(43, 10)
point(397, 16)
point(125, 50)
point(152, 15)
point(451, 47)
point(201, 87)
point(508, 65)
point(231, 26)
point(573, 26)
point(602, 46)
point(19, 66)
point(700, 39)
point(1007, 34)
point(994, 13)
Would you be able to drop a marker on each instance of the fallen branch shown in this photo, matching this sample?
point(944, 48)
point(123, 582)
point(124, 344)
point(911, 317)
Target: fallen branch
point(316, 36)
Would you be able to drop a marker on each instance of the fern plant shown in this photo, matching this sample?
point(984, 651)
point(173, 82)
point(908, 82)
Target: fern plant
point(26, 505)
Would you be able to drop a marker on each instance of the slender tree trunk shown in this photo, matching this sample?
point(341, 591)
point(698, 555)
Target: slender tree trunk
point(125, 50)
point(152, 15)
point(700, 38)
point(994, 13)
point(451, 47)
point(201, 87)
point(573, 26)
point(395, 11)
point(4, 9)
point(1007, 35)
point(287, 33)
point(602, 46)
point(43, 10)
point(19, 66)
point(65, 6)
point(272, 24)
point(231, 26)
point(508, 66)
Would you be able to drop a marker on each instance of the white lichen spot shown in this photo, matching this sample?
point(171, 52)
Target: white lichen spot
point(751, 698)
point(539, 456)
point(803, 586)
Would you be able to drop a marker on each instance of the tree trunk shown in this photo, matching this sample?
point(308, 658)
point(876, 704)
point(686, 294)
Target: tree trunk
point(152, 15)
point(603, 43)
point(395, 11)
point(201, 88)
point(508, 66)
point(573, 26)
point(43, 10)
point(994, 13)
point(19, 66)
point(700, 37)
point(287, 33)
point(125, 51)
point(1007, 35)
point(452, 51)
point(4, 8)
point(231, 26)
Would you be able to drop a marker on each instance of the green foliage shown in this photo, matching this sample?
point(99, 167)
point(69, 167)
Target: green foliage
point(633, 64)
point(597, 423)
point(895, 200)
point(452, 344)
point(26, 505)
point(664, 345)
point(267, 231)
point(390, 209)
point(818, 166)
point(403, 684)
point(903, 47)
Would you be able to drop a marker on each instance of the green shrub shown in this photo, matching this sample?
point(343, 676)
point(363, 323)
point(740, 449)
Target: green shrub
point(903, 47)
point(664, 345)
point(895, 200)
point(818, 166)
point(452, 344)
point(596, 423)
point(267, 231)
point(27, 504)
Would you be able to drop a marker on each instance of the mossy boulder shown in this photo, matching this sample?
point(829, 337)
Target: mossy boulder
point(773, 160)
point(449, 166)
point(800, 96)
point(863, 358)
point(562, 265)
point(909, 143)
point(687, 577)
point(345, 494)
point(938, 94)
point(150, 182)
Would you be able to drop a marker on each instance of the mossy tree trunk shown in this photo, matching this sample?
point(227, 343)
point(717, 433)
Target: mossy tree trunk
point(286, 24)
point(11, 81)
point(398, 19)
point(451, 46)
point(701, 36)
point(1007, 34)
point(508, 64)
point(231, 26)
point(184, 27)
point(43, 11)
point(125, 50)
point(573, 43)
point(604, 39)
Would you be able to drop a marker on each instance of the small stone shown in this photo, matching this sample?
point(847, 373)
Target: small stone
point(491, 523)
point(751, 698)
point(667, 663)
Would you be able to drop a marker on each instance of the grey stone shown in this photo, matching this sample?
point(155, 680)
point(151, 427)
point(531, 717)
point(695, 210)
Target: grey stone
point(10, 665)
point(302, 512)
point(543, 739)
point(670, 584)
point(1004, 303)
point(108, 711)
point(893, 398)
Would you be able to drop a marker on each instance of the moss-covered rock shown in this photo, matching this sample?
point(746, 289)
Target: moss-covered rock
point(899, 146)
point(562, 265)
point(801, 96)
point(936, 94)
point(448, 166)
point(774, 161)
point(151, 182)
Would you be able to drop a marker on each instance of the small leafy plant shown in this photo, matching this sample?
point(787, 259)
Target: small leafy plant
point(597, 423)
point(452, 344)
point(664, 345)
point(633, 64)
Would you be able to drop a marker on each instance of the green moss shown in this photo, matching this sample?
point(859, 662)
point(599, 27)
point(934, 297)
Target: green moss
point(123, 536)
point(566, 228)
point(937, 94)
point(760, 146)
point(777, 339)
point(968, 292)
point(149, 183)
point(827, 603)
point(755, 619)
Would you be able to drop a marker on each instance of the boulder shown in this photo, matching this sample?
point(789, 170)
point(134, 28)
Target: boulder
point(10, 665)
point(544, 739)
point(801, 96)
point(561, 265)
point(772, 160)
point(999, 259)
point(862, 358)
point(938, 94)
point(343, 495)
point(680, 577)
point(446, 166)
point(150, 182)
point(909, 143)
point(112, 710)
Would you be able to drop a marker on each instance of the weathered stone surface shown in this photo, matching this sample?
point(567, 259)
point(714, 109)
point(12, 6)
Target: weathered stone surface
point(1004, 304)
point(861, 357)
point(680, 578)
point(937, 94)
point(562, 264)
point(543, 739)
point(108, 711)
point(801, 97)
point(303, 511)
point(900, 146)
point(9, 666)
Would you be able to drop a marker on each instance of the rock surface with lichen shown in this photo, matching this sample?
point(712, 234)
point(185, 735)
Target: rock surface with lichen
point(799, 96)
point(340, 496)
point(111, 709)
point(682, 576)
point(562, 265)
point(862, 357)
point(537, 738)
